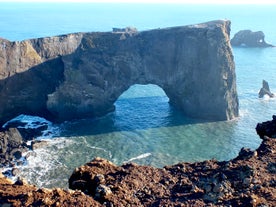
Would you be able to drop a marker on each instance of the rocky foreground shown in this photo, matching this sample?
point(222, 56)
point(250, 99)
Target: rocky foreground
point(248, 180)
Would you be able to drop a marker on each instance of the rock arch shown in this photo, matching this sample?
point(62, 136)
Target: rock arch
point(192, 64)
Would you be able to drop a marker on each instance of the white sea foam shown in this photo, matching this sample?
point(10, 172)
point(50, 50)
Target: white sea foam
point(142, 156)
point(34, 122)
point(44, 163)
point(96, 148)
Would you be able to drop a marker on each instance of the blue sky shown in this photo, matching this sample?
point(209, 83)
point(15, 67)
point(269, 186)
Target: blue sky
point(158, 1)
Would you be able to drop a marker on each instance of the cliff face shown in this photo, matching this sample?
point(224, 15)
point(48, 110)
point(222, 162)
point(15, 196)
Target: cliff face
point(82, 75)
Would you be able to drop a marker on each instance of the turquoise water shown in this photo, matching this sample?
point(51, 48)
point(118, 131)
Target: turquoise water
point(145, 128)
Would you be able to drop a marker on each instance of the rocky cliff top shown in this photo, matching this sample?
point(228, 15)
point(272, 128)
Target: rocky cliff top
point(248, 180)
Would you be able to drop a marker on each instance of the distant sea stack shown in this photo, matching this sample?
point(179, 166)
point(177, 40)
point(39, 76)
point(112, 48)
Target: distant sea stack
point(82, 75)
point(265, 90)
point(247, 38)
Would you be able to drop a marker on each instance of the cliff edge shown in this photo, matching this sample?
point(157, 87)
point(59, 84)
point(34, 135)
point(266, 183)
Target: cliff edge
point(248, 180)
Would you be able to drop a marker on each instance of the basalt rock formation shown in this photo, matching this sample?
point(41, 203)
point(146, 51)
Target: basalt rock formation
point(14, 142)
point(82, 75)
point(247, 38)
point(248, 180)
point(265, 90)
point(11, 146)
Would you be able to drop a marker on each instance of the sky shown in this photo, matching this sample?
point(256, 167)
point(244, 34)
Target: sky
point(158, 1)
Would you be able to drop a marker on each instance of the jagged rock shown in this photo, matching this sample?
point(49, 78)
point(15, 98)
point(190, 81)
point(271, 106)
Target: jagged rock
point(267, 129)
point(130, 30)
point(265, 90)
point(12, 145)
point(244, 181)
point(15, 171)
point(21, 181)
point(99, 179)
point(36, 144)
point(21, 194)
point(247, 38)
point(102, 193)
point(82, 75)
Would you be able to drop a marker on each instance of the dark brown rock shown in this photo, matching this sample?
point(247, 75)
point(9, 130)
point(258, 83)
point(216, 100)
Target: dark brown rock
point(248, 180)
point(22, 194)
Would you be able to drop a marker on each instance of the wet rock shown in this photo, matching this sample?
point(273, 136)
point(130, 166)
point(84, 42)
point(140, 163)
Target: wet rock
point(267, 129)
point(247, 180)
point(15, 171)
point(36, 144)
point(26, 132)
point(245, 153)
point(16, 153)
point(11, 146)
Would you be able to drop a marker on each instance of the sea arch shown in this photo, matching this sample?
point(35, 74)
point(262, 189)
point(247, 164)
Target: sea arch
point(142, 107)
point(193, 64)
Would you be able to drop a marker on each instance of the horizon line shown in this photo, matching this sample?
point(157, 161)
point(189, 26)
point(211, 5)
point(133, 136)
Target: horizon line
point(194, 2)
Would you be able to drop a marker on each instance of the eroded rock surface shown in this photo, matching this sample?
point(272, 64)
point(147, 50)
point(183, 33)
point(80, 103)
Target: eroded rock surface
point(248, 180)
point(265, 90)
point(247, 38)
point(12, 146)
point(82, 75)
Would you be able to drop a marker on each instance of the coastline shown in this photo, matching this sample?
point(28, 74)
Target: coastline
point(247, 180)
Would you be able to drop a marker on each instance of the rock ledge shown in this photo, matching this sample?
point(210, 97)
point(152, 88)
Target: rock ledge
point(248, 180)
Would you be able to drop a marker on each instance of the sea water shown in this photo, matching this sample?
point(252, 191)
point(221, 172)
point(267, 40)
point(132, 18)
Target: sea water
point(145, 128)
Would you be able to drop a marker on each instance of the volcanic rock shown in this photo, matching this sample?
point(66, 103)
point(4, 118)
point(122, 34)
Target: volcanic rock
point(12, 146)
point(247, 38)
point(36, 144)
point(248, 180)
point(265, 90)
point(82, 75)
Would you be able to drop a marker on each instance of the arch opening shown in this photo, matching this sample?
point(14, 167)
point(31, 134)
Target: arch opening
point(145, 106)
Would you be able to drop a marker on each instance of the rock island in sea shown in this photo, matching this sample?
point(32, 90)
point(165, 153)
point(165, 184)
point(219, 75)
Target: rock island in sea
point(193, 64)
point(85, 73)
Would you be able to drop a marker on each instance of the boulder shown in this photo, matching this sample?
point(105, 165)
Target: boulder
point(36, 144)
point(247, 180)
point(265, 90)
point(247, 38)
point(12, 146)
point(82, 75)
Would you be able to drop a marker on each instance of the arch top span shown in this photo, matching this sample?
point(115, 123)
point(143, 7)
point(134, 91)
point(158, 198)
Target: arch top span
point(192, 64)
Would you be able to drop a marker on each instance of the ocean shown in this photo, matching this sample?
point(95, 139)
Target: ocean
point(144, 128)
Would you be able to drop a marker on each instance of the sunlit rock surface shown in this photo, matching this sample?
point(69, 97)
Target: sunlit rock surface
point(81, 75)
point(247, 180)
